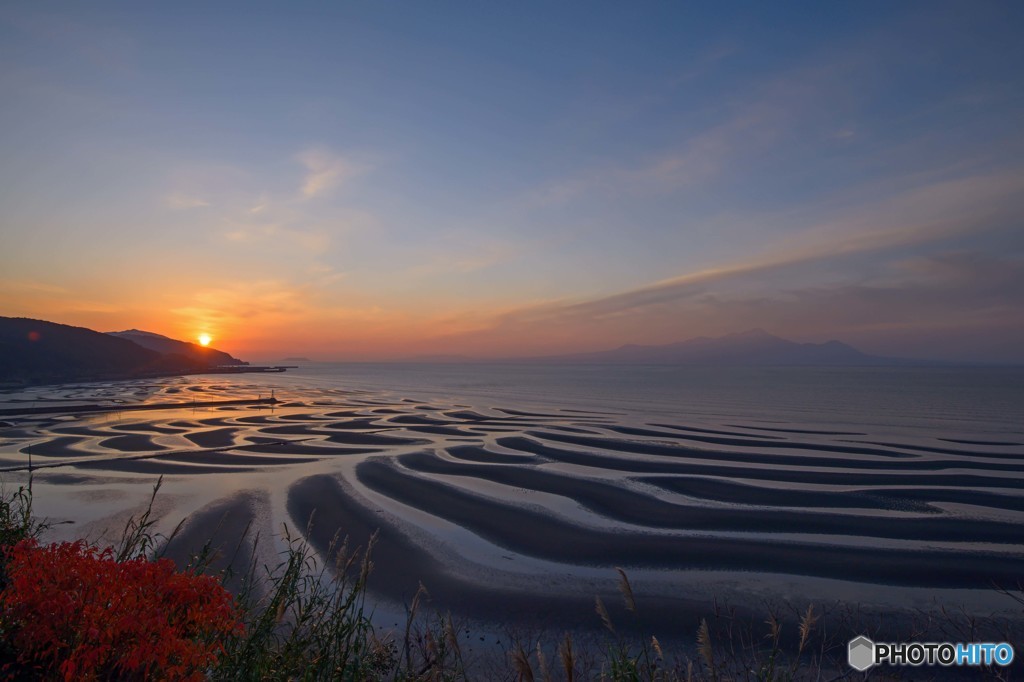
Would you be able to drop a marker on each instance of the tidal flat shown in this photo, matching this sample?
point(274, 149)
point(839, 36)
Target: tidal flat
point(514, 508)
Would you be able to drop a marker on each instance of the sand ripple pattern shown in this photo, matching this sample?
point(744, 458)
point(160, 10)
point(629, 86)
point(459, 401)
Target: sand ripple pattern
point(581, 488)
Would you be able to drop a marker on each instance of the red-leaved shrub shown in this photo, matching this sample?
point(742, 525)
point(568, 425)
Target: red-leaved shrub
point(72, 611)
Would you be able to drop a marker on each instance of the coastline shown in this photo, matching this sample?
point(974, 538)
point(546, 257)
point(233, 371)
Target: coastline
point(9, 386)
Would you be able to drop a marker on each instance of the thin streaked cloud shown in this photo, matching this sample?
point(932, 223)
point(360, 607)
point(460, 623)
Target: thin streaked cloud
point(927, 215)
point(180, 201)
point(325, 172)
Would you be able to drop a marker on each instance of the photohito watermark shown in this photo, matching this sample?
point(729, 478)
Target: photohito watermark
point(862, 653)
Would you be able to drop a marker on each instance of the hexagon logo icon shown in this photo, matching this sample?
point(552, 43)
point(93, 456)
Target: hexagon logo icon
point(860, 653)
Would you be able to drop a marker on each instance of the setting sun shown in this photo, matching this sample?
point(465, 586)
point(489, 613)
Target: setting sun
point(204, 339)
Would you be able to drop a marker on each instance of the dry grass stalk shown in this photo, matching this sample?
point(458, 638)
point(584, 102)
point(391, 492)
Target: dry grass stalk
point(410, 618)
point(707, 652)
point(542, 663)
point(774, 627)
point(603, 612)
point(627, 590)
point(657, 647)
point(806, 625)
point(568, 658)
point(521, 661)
point(451, 637)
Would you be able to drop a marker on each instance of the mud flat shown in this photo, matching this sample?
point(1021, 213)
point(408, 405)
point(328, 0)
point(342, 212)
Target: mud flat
point(517, 514)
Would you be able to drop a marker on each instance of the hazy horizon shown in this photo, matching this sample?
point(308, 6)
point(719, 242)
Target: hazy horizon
point(379, 182)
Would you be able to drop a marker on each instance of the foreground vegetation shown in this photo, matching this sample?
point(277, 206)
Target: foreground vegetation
point(73, 611)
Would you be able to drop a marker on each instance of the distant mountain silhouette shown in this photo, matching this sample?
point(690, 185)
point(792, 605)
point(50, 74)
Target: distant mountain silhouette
point(168, 346)
point(35, 351)
point(754, 347)
point(443, 359)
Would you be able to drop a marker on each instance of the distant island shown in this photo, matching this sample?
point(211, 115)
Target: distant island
point(41, 352)
point(754, 347)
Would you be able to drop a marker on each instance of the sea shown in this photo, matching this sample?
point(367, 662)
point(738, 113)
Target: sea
point(965, 400)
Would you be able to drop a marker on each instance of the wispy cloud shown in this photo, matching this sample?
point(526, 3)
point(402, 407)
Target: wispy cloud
point(246, 205)
point(953, 305)
point(462, 259)
point(325, 171)
point(180, 201)
point(958, 306)
point(753, 122)
point(277, 235)
point(929, 215)
point(818, 100)
point(703, 157)
point(233, 304)
point(323, 275)
point(32, 287)
point(260, 206)
point(77, 303)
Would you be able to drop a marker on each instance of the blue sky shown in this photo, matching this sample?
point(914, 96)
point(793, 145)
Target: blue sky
point(370, 180)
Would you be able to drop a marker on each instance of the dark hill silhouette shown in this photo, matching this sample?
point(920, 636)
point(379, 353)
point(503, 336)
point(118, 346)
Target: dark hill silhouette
point(35, 351)
point(168, 346)
point(754, 347)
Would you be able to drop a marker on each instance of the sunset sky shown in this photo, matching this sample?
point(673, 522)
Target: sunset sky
point(372, 180)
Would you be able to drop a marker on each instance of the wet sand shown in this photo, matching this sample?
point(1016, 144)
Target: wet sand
point(513, 515)
point(540, 535)
point(401, 564)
